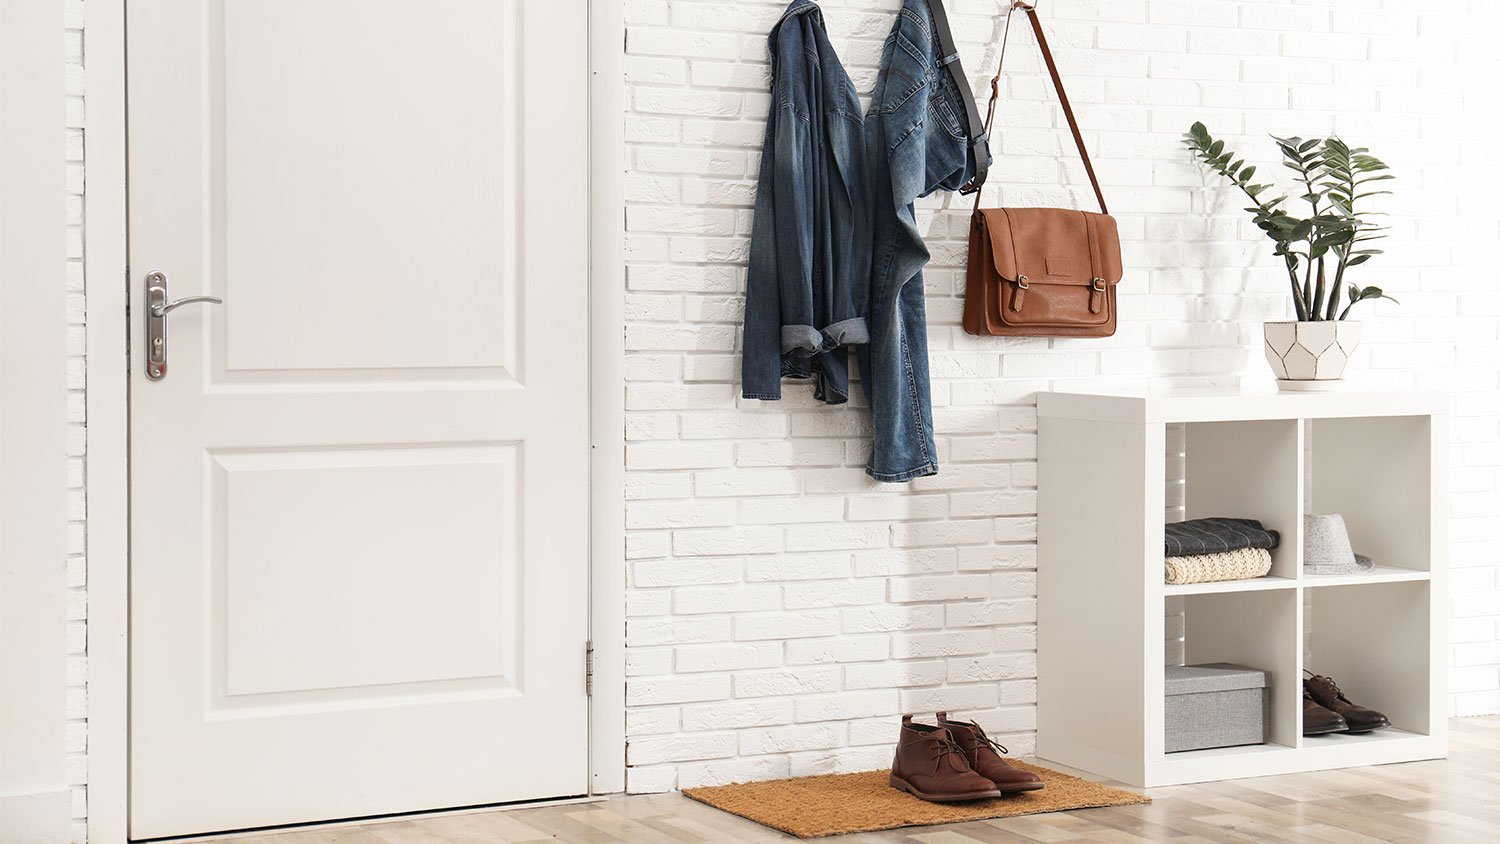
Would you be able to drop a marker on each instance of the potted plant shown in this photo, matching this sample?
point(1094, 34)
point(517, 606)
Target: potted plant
point(1336, 181)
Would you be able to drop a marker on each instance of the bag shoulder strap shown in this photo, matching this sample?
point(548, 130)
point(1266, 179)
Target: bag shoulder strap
point(1062, 95)
point(978, 130)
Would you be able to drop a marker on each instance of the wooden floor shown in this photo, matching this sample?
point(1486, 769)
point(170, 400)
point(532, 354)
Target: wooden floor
point(1454, 801)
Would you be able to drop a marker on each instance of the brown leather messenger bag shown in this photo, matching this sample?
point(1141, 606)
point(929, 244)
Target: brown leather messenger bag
point(1042, 272)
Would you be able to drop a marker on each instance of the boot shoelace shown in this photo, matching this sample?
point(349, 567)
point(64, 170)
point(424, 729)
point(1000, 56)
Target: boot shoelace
point(944, 748)
point(985, 739)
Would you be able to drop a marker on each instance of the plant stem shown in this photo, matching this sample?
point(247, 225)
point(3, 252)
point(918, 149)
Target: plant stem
point(1307, 291)
point(1297, 300)
point(1314, 301)
point(1338, 288)
point(1317, 302)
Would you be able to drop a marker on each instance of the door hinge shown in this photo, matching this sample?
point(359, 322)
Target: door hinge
point(588, 668)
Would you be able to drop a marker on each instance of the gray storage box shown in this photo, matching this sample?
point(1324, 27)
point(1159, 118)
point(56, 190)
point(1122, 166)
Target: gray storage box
point(1214, 705)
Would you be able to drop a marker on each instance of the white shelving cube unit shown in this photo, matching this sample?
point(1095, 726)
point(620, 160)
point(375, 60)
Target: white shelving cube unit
point(1377, 458)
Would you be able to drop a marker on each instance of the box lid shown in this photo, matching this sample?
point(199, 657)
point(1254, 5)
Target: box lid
point(1213, 677)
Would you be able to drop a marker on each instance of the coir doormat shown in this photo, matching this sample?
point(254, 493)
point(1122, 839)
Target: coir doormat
point(836, 804)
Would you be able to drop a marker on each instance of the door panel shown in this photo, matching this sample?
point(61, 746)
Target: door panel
point(330, 599)
point(359, 542)
point(399, 158)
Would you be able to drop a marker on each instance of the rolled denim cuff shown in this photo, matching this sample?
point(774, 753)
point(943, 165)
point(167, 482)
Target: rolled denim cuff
point(809, 340)
point(898, 477)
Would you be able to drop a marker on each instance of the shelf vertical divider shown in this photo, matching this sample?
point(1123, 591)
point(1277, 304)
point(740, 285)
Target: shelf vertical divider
point(1290, 694)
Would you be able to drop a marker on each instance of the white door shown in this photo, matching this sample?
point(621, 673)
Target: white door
point(359, 493)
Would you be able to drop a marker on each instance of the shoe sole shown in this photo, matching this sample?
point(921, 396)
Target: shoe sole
point(1026, 786)
point(1323, 731)
point(902, 785)
point(1363, 730)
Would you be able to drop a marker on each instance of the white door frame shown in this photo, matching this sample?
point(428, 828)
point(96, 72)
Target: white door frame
point(108, 413)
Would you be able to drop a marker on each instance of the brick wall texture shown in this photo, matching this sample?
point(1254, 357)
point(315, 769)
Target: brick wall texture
point(782, 607)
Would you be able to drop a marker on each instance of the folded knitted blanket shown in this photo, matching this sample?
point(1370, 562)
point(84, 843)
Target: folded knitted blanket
point(1225, 565)
point(1216, 535)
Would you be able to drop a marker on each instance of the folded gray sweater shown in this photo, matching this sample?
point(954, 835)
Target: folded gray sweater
point(1217, 535)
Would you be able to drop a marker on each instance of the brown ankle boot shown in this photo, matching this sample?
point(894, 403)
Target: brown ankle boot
point(980, 750)
point(931, 766)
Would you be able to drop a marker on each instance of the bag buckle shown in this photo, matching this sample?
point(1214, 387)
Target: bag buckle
point(1097, 284)
point(1096, 295)
point(1016, 298)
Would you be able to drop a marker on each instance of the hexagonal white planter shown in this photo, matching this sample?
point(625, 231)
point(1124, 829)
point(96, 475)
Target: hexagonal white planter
point(1310, 355)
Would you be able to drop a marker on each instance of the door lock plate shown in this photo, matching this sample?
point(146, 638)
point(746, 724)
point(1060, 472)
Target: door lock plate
point(156, 325)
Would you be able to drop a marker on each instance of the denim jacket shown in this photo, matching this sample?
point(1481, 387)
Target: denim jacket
point(808, 283)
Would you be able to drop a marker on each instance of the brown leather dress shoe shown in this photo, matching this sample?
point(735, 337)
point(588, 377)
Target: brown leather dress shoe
point(930, 765)
point(1317, 720)
point(1360, 719)
point(981, 751)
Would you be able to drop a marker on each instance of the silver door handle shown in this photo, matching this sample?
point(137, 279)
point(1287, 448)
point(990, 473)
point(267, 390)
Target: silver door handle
point(158, 306)
point(161, 307)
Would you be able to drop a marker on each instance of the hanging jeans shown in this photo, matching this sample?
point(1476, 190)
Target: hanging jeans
point(917, 143)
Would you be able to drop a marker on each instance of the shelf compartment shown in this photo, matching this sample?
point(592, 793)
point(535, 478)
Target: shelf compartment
point(1376, 641)
point(1377, 472)
point(1248, 470)
point(1257, 629)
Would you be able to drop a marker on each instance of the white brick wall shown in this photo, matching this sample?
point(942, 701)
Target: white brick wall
point(782, 607)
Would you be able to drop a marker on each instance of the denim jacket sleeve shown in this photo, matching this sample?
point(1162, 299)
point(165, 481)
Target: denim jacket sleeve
point(775, 292)
point(760, 367)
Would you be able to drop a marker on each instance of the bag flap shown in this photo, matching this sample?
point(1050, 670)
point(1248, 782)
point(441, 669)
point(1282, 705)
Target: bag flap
point(1053, 245)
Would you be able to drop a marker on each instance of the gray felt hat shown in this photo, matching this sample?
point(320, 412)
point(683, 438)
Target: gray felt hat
point(1326, 548)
